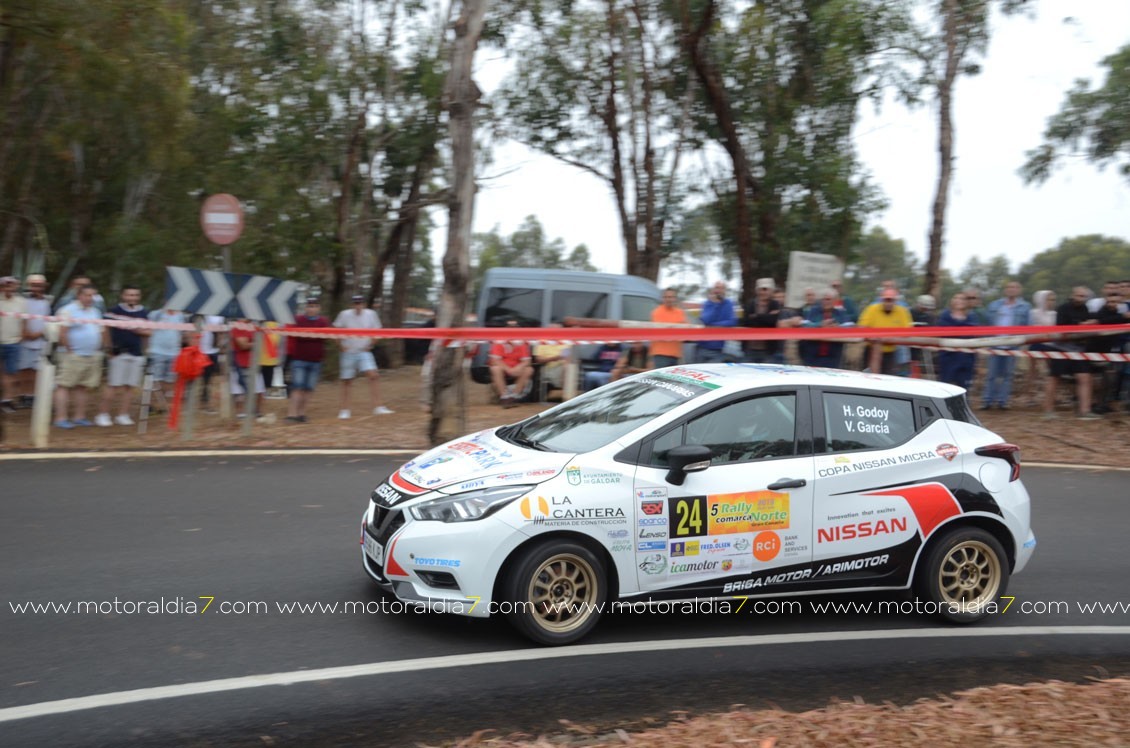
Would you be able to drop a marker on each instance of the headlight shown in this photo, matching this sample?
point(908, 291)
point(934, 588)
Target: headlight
point(465, 507)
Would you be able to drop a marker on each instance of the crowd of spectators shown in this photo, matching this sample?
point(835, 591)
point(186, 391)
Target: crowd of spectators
point(104, 366)
point(101, 369)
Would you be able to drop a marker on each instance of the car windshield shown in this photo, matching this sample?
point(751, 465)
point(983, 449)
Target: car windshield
point(603, 415)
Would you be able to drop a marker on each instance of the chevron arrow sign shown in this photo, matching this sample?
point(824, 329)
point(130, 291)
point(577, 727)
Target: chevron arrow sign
point(232, 295)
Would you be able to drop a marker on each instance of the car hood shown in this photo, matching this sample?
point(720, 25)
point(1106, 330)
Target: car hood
point(478, 461)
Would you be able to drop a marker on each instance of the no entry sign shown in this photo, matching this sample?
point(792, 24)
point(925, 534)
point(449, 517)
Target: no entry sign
point(221, 217)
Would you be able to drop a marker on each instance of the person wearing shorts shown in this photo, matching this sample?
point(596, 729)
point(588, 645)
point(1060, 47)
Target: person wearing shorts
point(34, 344)
point(357, 356)
point(12, 332)
point(164, 347)
point(305, 356)
point(127, 358)
point(81, 341)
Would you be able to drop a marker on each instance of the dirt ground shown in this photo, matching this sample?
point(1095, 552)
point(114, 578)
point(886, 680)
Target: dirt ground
point(1064, 440)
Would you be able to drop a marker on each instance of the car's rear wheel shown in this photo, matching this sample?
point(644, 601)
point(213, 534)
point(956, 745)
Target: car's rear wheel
point(557, 591)
point(965, 570)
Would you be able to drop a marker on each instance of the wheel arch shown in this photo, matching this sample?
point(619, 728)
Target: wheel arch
point(612, 578)
point(992, 525)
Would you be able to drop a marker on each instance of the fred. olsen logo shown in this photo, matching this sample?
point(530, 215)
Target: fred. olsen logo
point(559, 510)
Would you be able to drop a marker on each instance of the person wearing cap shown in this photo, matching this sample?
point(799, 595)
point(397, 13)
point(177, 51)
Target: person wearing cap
point(357, 355)
point(32, 347)
point(12, 331)
point(305, 356)
point(886, 312)
point(763, 311)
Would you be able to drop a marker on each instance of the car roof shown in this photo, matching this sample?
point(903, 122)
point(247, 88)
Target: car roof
point(731, 377)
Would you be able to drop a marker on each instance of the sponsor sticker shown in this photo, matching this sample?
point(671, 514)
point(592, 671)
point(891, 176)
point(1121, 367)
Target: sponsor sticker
point(617, 534)
point(684, 548)
point(651, 493)
point(560, 510)
point(948, 451)
point(766, 545)
point(652, 545)
point(750, 511)
point(651, 507)
point(654, 564)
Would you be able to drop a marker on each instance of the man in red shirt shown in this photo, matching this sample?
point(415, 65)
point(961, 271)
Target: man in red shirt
point(305, 358)
point(510, 361)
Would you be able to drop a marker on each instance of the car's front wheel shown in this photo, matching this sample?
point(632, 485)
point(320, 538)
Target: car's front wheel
point(556, 590)
point(963, 573)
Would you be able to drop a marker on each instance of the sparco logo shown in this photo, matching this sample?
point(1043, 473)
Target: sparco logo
point(388, 493)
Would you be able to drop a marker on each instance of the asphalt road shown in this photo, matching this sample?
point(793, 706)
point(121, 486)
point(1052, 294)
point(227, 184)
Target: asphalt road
point(284, 529)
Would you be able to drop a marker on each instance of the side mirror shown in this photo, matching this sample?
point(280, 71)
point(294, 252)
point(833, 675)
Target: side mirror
point(689, 458)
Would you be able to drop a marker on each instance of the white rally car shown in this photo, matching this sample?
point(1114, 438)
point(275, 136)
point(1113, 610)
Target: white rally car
point(711, 481)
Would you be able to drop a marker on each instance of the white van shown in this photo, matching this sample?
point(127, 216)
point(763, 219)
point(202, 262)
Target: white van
point(535, 297)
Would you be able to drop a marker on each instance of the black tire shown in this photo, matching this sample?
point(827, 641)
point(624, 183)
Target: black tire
point(556, 590)
point(963, 572)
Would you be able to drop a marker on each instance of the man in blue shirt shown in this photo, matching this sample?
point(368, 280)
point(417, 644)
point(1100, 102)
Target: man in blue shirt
point(80, 358)
point(1011, 310)
point(717, 311)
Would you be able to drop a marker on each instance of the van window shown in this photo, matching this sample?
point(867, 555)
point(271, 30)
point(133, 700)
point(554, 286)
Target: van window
point(523, 304)
point(637, 308)
point(579, 304)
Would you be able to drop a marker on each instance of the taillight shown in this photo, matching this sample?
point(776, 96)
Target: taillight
point(1003, 451)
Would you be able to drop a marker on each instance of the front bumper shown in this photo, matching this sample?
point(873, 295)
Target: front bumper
point(447, 567)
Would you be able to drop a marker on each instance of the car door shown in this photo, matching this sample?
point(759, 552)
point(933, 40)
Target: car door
point(883, 467)
point(747, 513)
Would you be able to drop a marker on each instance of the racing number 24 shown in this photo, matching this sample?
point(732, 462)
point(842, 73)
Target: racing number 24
point(687, 514)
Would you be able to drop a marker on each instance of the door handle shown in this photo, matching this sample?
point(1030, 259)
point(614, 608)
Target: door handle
point(788, 483)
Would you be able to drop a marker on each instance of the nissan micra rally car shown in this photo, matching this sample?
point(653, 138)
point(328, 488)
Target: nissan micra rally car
point(705, 482)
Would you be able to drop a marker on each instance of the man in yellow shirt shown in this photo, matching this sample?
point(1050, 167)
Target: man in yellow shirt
point(886, 312)
point(668, 352)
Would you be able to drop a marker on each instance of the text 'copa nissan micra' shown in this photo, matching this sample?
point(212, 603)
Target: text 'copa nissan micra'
point(707, 482)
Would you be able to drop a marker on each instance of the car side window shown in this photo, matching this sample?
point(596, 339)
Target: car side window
point(752, 429)
point(856, 421)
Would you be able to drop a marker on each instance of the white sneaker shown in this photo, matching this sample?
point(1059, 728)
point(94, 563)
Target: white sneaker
point(381, 410)
point(103, 419)
point(344, 415)
point(123, 420)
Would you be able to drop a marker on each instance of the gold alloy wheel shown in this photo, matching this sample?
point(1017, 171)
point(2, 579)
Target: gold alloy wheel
point(969, 575)
point(563, 592)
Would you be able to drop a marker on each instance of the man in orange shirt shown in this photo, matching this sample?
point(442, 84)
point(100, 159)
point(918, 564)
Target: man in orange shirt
point(668, 352)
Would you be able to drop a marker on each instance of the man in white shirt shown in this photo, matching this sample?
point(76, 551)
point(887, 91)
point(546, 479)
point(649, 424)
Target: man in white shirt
point(357, 355)
point(12, 331)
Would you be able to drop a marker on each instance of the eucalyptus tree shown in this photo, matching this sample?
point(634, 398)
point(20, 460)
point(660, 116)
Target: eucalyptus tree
point(599, 85)
point(1092, 122)
point(461, 100)
point(780, 86)
point(954, 50)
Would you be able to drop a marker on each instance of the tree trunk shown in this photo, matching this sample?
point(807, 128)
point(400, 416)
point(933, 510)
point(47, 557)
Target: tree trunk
point(405, 261)
point(693, 39)
point(950, 11)
point(448, 416)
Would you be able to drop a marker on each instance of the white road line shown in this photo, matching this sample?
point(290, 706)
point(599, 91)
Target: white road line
point(209, 453)
point(119, 698)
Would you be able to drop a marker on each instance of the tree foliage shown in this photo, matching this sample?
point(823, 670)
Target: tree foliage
point(1077, 261)
point(1093, 123)
point(527, 247)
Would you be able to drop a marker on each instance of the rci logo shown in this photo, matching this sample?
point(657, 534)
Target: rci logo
point(531, 512)
point(766, 546)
